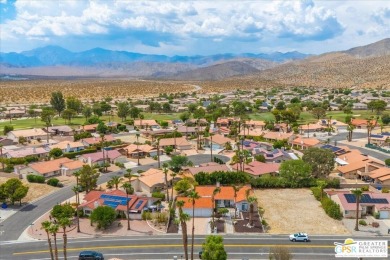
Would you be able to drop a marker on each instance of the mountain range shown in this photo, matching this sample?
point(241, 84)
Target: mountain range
point(353, 66)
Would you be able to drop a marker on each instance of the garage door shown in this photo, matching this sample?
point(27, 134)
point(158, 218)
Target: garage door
point(199, 212)
point(384, 214)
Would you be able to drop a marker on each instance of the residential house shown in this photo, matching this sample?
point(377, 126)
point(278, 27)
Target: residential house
point(99, 158)
point(208, 168)
point(370, 204)
point(69, 147)
point(89, 128)
point(277, 136)
point(187, 130)
point(91, 141)
point(29, 134)
point(139, 151)
point(380, 139)
point(151, 180)
point(255, 124)
point(362, 123)
point(61, 166)
point(225, 198)
point(146, 123)
point(359, 106)
point(258, 169)
point(252, 132)
point(304, 143)
point(26, 151)
point(381, 175)
point(275, 155)
point(6, 141)
point(118, 200)
point(217, 141)
point(180, 143)
point(62, 130)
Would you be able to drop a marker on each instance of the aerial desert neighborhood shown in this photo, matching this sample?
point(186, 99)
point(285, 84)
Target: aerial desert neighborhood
point(194, 130)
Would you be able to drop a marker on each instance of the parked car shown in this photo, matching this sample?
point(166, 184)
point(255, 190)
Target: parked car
point(90, 255)
point(299, 237)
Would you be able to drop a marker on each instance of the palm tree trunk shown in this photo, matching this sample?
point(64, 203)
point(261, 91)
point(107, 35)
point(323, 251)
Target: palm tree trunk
point(128, 213)
point(65, 241)
point(251, 214)
point(78, 219)
point(166, 183)
point(50, 246)
point(172, 190)
point(193, 230)
point(55, 246)
point(357, 215)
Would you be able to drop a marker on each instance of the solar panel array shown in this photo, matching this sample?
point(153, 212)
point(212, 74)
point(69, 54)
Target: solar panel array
point(366, 198)
point(331, 147)
point(114, 199)
point(139, 203)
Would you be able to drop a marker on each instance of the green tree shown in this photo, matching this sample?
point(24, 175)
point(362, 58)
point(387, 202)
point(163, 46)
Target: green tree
point(295, 171)
point(378, 105)
point(14, 190)
point(129, 190)
point(199, 113)
point(115, 181)
point(57, 101)
point(47, 116)
point(184, 186)
point(123, 110)
point(166, 107)
point(7, 129)
point(260, 158)
point(193, 195)
point(182, 220)
point(134, 112)
point(102, 128)
point(320, 160)
point(358, 194)
point(68, 114)
point(185, 116)
point(280, 105)
point(75, 104)
point(177, 163)
point(104, 216)
point(55, 152)
point(62, 211)
point(318, 112)
point(387, 162)
point(88, 178)
point(97, 109)
point(45, 225)
point(213, 248)
point(87, 112)
point(386, 118)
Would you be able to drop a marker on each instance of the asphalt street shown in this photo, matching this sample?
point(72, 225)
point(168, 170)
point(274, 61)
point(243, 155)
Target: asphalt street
point(168, 246)
point(13, 227)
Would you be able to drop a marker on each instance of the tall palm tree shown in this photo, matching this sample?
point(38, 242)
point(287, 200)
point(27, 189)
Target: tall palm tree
point(173, 175)
point(236, 189)
point(371, 123)
point(358, 194)
point(165, 170)
point(45, 225)
point(251, 200)
point(129, 190)
point(128, 174)
point(183, 218)
point(211, 146)
point(64, 223)
point(137, 136)
point(116, 180)
point(53, 230)
point(193, 195)
point(350, 129)
point(1, 156)
point(215, 192)
point(75, 189)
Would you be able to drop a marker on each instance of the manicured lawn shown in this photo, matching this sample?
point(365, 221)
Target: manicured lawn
point(267, 116)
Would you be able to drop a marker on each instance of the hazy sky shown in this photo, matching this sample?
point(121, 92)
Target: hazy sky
point(193, 27)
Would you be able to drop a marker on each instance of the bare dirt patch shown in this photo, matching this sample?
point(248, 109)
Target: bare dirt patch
point(35, 191)
point(296, 210)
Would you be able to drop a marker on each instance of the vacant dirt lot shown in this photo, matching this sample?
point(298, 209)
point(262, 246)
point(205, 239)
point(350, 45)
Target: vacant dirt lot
point(35, 191)
point(296, 210)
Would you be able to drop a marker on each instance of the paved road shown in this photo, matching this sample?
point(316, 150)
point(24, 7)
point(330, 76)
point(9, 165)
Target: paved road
point(13, 227)
point(166, 247)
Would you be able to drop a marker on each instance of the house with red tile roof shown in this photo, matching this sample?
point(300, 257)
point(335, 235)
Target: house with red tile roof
point(146, 123)
point(151, 180)
point(61, 166)
point(117, 200)
point(181, 143)
point(88, 128)
point(97, 140)
point(208, 168)
point(29, 134)
point(218, 141)
point(141, 151)
point(362, 123)
point(302, 143)
point(370, 204)
point(98, 158)
point(68, 146)
point(226, 198)
point(275, 136)
point(258, 169)
point(26, 151)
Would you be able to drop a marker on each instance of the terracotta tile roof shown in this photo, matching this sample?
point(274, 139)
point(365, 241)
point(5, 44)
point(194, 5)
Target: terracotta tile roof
point(353, 156)
point(352, 167)
point(200, 203)
point(49, 166)
point(252, 132)
point(208, 168)
point(154, 176)
point(180, 141)
point(277, 135)
point(149, 122)
point(144, 148)
point(28, 132)
point(362, 122)
point(220, 139)
point(380, 172)
point(26, 152)
point(98, 156)
point(91, 127)
point(305, 141)
point(73, 165)
point(255, 123)
point(259, 168)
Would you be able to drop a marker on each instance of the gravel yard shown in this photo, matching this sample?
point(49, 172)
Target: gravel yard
point(296, 210)
point(35, 191)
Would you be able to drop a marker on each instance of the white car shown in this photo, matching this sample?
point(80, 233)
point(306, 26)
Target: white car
point(299, 237)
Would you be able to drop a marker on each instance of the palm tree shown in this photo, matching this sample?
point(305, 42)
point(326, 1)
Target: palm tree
point(53, 230)
point(64, 222)
point(215, 192)
point(1, 156)
point(115, 180)
point(75, 189)
point(165, 170)
point(137, 136)
point(358, 194)
point(129, 190)
point(370, 126)
point(236, 189)
point(251, 200)
point(173, 175)
point(211, 146)
point(46, 226)
point(183, 218)
point(321, 185)
point(350, 129)
point(193, 197)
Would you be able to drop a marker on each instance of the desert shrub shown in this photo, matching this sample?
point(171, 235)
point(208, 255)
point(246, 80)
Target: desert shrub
point(161, 217)
point(159, 195)
point(365, 188)
point(316, 192)
point(260, 158)
point(146, 215)
point(332, 209)
point(53, 182)
point(376, 215)
point(385, 190)
point(122, 128)
point(362, 222)
point(224, 178)
point(375, 224)
point(35, 178)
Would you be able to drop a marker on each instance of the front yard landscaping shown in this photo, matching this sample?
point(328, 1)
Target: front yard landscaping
point(296, 210)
